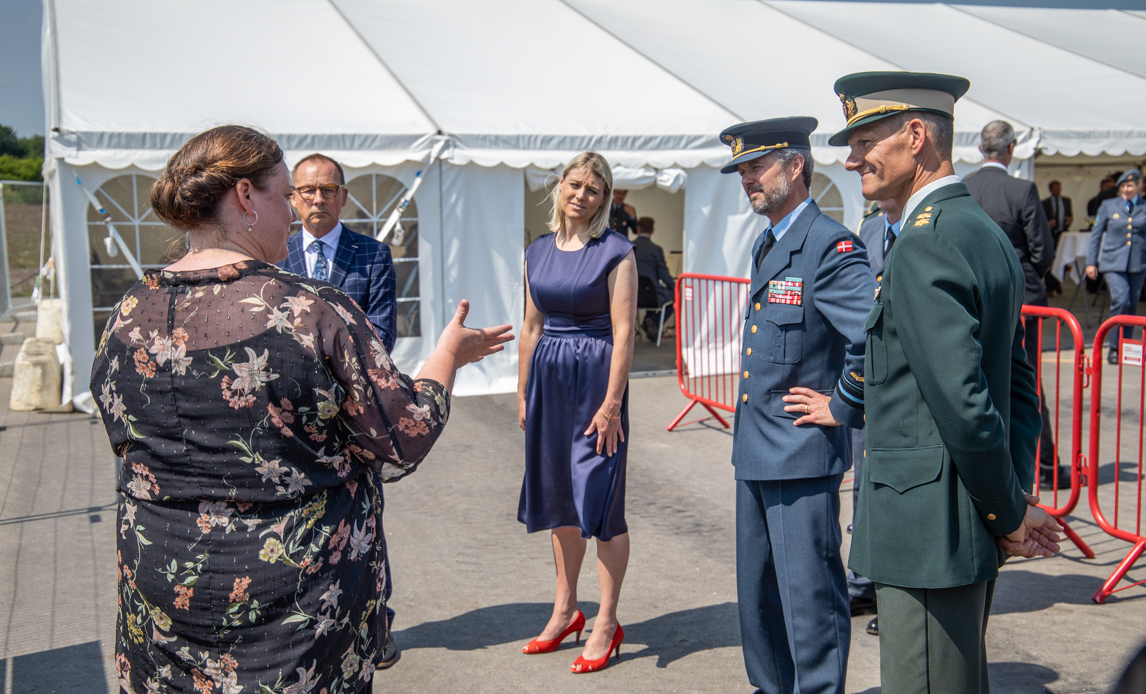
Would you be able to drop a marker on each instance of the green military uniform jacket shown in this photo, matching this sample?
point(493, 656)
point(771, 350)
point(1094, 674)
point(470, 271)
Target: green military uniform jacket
point(952, 410)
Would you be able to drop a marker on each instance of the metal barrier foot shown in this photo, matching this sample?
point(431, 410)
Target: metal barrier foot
point(692, 403)
point(1078, 542)
point(1108, 588)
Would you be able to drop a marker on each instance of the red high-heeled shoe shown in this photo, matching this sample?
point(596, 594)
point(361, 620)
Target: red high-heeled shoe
point(539, 646)
point(584, 665)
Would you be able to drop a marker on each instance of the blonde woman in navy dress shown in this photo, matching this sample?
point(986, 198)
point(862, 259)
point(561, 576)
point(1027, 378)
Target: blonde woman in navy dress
point(572, 399)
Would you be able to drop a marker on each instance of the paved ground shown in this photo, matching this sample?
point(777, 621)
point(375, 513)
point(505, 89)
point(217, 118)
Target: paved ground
point(471, 586)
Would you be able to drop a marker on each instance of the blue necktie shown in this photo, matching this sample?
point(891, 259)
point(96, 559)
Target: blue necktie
point(321, 272)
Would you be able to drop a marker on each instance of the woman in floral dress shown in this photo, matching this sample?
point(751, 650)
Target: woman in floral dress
point(256, 414)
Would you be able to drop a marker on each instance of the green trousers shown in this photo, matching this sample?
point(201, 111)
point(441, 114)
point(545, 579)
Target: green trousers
point(931, 640)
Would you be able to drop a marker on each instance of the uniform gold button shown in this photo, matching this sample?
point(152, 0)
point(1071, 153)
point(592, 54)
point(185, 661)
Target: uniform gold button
point(754, 328)
point(1129, 226)
point(749, 352)
point(745, 397)
point(757, 305)
point(745, 374)
point(865, 454)
point(1127, 243)
point(990, 516)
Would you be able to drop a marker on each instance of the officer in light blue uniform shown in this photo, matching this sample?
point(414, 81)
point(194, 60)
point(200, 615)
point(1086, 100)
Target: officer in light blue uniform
point(800, 391)
point(878, 233)
point(1118, 249)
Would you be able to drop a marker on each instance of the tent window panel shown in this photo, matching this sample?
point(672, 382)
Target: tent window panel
point(127, 199)
point(371, 200)
point(409, 318)
point(827, 196)
point(406, 272)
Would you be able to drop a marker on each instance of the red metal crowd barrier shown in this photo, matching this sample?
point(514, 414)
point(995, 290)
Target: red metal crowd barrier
point(1060, 496)
point(709, 321)
point(1125, 521)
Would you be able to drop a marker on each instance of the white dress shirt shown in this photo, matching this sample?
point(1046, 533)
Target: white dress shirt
point(329, 243)
point(782, 228)
point(917, 196)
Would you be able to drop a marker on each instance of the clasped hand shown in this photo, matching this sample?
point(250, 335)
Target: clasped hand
point(1037, 536)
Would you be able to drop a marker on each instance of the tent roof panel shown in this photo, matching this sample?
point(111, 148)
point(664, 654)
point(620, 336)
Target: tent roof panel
point(121, 72)
point(528, 67)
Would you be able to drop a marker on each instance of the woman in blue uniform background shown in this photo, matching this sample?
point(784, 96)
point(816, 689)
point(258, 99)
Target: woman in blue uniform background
point(576, 351)
point(1120, 233)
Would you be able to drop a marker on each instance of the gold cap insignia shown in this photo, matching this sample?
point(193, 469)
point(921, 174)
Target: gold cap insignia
point(849, 106)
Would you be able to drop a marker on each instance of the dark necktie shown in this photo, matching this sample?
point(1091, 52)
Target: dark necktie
point(889, 242)
point(769, 241)
point(1129, 206)
point(1058, 215)
point(321, 272)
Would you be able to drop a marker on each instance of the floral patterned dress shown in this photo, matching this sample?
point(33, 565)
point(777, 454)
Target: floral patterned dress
point(256, 415)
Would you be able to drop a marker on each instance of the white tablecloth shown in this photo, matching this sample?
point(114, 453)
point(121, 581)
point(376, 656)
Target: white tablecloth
point(1072, 246)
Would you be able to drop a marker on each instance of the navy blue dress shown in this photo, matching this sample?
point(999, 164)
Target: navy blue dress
point(567, 483)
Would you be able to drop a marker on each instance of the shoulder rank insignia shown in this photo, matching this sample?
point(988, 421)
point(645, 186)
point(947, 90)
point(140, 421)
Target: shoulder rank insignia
point(844, 247)
point(923, 219)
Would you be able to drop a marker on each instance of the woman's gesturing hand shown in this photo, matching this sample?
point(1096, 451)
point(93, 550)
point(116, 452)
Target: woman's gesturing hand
point(608, 428)
point(468, 344)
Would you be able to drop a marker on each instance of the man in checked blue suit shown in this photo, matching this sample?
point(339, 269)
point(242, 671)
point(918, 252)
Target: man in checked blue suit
point(357, 264)
point(802, 363)
point(326, 250)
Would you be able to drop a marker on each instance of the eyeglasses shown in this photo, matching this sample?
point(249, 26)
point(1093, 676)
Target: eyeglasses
point(328, 191)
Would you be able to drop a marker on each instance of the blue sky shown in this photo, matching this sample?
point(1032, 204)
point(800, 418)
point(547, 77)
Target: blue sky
point(21, 99)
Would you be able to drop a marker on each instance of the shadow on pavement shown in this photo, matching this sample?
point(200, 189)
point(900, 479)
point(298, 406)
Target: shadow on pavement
point(1127, 472)
point(668, 637)
point(1013, 678)
point(1026, 591)
point(72, 669)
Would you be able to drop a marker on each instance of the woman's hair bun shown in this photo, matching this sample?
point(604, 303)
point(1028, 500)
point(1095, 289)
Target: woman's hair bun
point(188, 193)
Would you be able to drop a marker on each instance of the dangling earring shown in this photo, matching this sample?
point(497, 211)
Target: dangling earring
point(250, 224)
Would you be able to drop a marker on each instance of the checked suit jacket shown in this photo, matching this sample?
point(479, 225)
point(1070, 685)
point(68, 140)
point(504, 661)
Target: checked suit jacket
point(362, 267)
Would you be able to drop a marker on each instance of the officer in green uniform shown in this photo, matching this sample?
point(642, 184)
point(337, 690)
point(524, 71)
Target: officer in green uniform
point(952, 411)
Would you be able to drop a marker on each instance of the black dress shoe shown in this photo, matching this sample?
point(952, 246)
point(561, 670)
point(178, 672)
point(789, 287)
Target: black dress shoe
point(390, 653)
point(862, 606)
point(1112, 357)
point(1046, 477)
point(873, 626)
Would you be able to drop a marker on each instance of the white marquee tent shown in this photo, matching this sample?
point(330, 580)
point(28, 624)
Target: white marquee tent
point(489, 98)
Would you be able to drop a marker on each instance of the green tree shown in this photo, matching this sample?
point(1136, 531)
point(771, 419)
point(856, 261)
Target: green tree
point(20, 168)
point(21, 158)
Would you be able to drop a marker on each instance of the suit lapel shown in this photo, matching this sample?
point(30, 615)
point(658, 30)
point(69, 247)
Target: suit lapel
point(343, 257)
point(781, 253)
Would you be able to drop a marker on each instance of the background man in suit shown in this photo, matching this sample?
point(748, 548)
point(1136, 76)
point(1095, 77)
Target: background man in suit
point(878, 234)
point(953, 415)
point(651, 265)
point(622, 217)
point(1060, 215)
point(359, 265)
point(802, 357)
point(1106, 190)
point(326, 250)
point(1013, 204)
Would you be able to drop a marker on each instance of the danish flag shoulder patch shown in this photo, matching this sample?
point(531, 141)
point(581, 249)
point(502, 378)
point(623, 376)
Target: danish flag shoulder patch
point(844, 247)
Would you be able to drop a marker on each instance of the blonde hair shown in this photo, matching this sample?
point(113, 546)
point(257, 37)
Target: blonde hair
point(599, 167)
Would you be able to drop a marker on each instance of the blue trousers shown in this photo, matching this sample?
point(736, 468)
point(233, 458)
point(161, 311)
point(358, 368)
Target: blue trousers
point(795, 624)
point(859, 587)
point(1125, 288)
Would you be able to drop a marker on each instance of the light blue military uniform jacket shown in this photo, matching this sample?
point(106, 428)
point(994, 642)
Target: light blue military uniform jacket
point(1118, 242)
point(817, 343)
point(873, 233)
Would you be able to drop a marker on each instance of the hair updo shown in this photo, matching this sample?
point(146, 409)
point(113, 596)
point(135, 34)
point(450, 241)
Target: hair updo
point(197, 177)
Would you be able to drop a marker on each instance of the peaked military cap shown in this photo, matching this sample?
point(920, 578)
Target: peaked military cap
point(871, 96)
point(753, 140)
point(1132, 175)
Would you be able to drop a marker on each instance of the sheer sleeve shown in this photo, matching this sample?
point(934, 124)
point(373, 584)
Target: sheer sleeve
point(392, 419)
